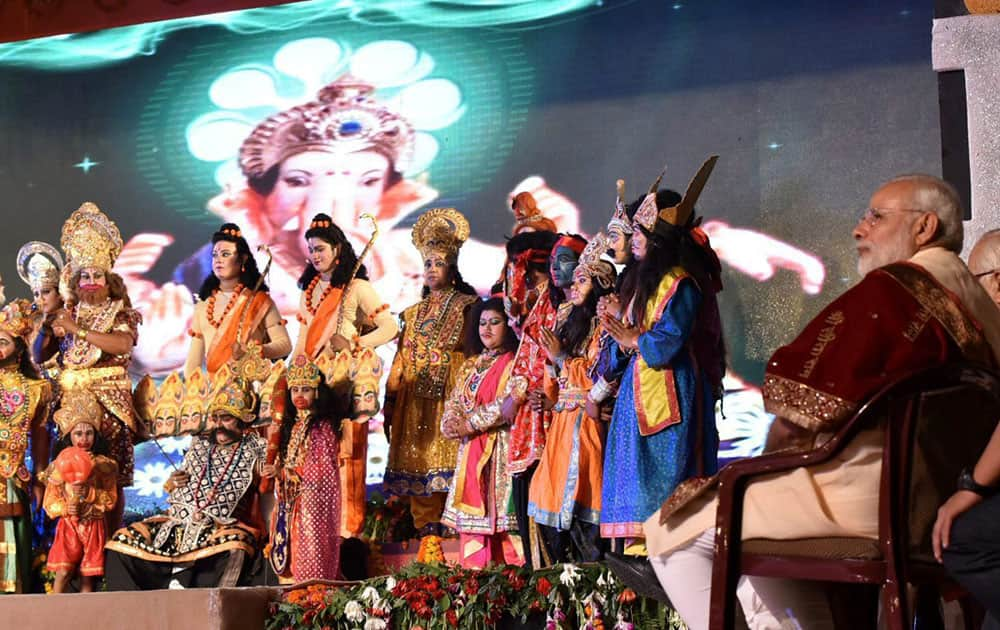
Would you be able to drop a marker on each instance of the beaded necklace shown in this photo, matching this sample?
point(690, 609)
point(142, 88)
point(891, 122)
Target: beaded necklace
point(199, 506)
point(482, 365)
point(309, 293)
point(210, 306)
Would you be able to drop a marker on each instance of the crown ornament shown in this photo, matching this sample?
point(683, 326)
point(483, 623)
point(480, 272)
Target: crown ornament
point(16, 319)
point(345, 118)
point(679, 214)
point(39, 265)
point(303, 373)
point(233, 395)
point(78, 405)
point(591, 264)
point(440, 231)
point(90, 239)
point(619, 220)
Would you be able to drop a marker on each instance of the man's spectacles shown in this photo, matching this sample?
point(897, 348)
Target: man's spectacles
point(872, 216)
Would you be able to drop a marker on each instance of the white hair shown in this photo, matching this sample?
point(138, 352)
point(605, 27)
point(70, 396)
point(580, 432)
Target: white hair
point(933, 194)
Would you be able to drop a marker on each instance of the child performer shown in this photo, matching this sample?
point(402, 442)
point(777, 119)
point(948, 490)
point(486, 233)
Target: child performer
point(80, 507)
point(479, 502)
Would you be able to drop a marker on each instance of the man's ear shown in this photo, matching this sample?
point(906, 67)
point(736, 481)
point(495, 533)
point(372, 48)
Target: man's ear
point(927, 227)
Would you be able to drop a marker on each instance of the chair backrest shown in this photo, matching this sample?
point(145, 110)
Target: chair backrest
point(940, 420)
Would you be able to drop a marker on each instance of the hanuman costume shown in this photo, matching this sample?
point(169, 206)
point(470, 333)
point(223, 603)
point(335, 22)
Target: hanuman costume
point(325, 313)
point(478, 505)
point(91, 240)
point(566, 486)
point(22, 415)
point(305, 536)
point(421, 459)
point(79, 540)
point(663, 426)
point(213, 524)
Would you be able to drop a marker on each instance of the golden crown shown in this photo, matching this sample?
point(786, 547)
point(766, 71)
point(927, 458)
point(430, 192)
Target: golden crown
point(78, 405)
point(441, 231)
point(680, 214)
point(16, 319)
point(303, 373)
point(590, 263)
point(39, 265)
point(90, 239)
point(232, 394)
point(619, 220)
point(345, 118)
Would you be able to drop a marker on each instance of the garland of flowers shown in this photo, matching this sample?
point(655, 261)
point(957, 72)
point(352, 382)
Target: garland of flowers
point(441, 597)
point(210, 306)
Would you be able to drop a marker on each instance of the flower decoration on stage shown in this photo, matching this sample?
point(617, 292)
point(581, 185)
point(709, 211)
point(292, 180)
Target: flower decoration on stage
point(78, 405)
point(440, 231)
point(601, 271)
point(382, 98)
point(39, 265)
point(15, 319)
point(90, 239)
point(303, 373)
point(619, 219)
point(680, 214)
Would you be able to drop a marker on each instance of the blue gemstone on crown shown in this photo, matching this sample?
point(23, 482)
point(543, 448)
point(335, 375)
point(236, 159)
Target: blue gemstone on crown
point(350, 128)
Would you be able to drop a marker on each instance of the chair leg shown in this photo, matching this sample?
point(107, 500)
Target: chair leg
point(892, 606)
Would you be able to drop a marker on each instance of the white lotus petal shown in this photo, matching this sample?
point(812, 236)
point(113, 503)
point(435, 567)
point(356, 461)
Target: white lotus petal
point(430, 104)
point(243, 88)
point(425, 149)
point(390, 63)
point(217, 136)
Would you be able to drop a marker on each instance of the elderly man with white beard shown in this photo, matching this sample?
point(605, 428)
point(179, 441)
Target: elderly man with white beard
point(916, 306)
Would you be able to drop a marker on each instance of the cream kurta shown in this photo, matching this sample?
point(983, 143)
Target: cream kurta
point(270, 332)
point(360, 303)
point(839, 498)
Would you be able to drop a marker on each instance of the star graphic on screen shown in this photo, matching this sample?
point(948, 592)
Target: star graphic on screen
point(86, 164)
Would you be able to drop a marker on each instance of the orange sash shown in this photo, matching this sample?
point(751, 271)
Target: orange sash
point(222, 346)
point(321, 327)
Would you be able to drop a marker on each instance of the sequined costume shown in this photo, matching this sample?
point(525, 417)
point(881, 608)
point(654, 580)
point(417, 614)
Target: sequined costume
point(305, 532)
point(479, 501)
point(79, 540)
point(421, 460)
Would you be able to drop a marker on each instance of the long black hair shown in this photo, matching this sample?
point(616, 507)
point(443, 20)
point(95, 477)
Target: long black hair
point(575, 331)
point(331, 405)
point(323, 227)
point(249, 274)
point(25, 365)
point(473, 344)
point(633, 274)
point(456, 279)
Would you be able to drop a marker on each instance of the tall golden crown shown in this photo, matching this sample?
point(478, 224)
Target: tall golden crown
point(90, 239)
point(440, 231)
point(16, 319)
point(303, 372)
point(680, 214)
point(39, 265)
point(619, 220)
point(78, 405)
point(345, 118)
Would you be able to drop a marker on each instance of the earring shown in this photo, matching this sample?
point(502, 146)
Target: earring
point(244, 267)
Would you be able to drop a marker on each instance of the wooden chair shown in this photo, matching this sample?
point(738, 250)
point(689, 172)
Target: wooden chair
point(936, 422)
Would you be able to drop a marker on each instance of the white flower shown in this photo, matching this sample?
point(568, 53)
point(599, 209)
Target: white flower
point(374, 623)
point(354, 611)
point(570, 575)
point(370, 594)
point(390, 583)
point(175, 444)
point(149, 481)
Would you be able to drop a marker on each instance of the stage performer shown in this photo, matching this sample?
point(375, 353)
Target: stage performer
point(917, 306)
point(234, 308)
point(531, 302)
point(565, 493)
point(421, 459)
point(39, 265)
point(212, 533)
point(670, 338)
point(25, 416)
point(478, 504)
point(305, 532)
point(344, 320)
point(81, 531)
